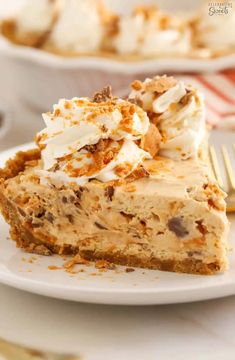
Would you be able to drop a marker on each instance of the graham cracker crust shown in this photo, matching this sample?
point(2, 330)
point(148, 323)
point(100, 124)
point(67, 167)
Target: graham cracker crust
point(37, 242)
point(16, 165)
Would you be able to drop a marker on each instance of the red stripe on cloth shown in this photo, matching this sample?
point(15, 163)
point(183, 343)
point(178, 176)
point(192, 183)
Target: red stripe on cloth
point(228, 71)
point(218, 113)
point(215, 90)
point(230, 75)
point(212, 116)
point(211, 123)
point(229, 113)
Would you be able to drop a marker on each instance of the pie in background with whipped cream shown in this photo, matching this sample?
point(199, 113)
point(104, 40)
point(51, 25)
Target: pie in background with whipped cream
point(125, 181)
point(78, 27)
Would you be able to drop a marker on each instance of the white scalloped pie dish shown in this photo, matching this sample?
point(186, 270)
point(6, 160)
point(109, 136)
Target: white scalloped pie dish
point(41, 78)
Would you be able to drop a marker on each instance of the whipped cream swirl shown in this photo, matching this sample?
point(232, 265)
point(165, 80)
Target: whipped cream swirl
point(36, 16)
point(79, 27)
point(178, 111)
point(92, 140)
point(149, 32)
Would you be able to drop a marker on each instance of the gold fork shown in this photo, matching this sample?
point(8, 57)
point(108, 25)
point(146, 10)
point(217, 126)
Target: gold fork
point(230, 200)
point(11, 351)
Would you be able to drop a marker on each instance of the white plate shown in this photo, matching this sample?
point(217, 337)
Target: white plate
point(141, 287)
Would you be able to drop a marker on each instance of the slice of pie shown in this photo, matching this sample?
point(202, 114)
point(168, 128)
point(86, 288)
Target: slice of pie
point(126, 181)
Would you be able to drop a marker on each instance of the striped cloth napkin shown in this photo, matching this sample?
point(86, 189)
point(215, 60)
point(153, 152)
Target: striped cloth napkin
point(219, 91)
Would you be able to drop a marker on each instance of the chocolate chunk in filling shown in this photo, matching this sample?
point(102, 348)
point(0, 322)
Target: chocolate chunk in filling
point(109, 192)
point(50, 217)
point(175, 225)
point(194, 253)
point(22, 212)
point(100, 226)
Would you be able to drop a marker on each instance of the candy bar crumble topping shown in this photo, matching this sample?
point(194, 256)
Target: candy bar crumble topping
point(105, 138)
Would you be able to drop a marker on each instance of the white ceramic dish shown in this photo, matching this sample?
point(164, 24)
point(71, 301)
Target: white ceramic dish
point(141, 287)
point(42, 78)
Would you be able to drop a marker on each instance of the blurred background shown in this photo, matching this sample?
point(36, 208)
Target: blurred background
point(121, 6)
point(32, 80)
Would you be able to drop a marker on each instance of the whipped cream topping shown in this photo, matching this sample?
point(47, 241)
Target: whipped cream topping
point(149, 32)
point(92, 140)
point(79, 27)
point(216, 32)
point(178, 111)
point(36, 16)
point(128, 39)
point(168, 42)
